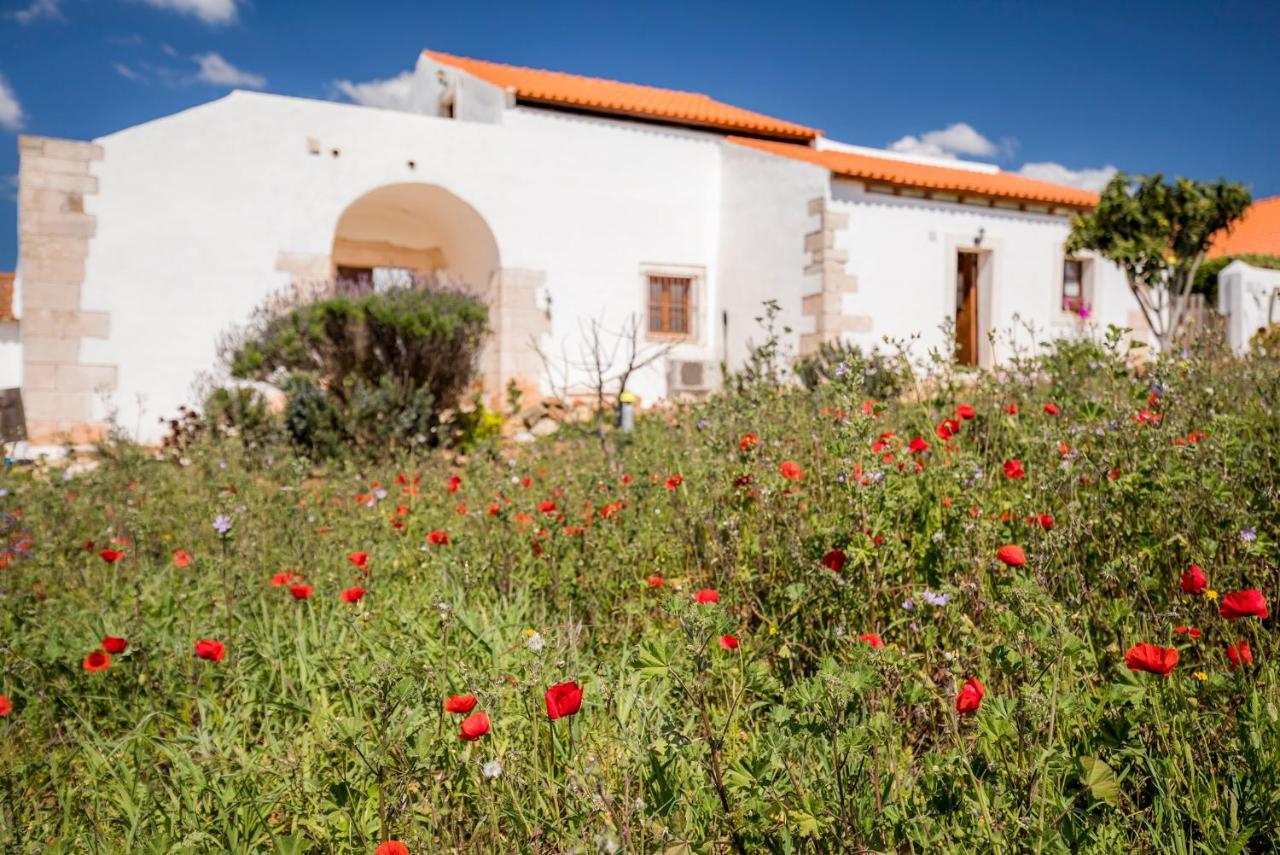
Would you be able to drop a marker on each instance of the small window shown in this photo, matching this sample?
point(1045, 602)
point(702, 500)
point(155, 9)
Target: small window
point(670, 305)
point(1074, 298)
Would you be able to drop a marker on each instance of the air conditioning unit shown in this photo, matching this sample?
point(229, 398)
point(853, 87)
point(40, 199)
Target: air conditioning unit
point(686, 377)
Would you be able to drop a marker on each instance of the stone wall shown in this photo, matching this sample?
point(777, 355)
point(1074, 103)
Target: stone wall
point(827, 263)
point(54, 233)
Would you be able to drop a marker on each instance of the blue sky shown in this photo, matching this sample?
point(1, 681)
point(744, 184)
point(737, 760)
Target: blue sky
point(1061, 90)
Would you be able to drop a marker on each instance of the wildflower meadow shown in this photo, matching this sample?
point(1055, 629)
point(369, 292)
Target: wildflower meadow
point(1017, 611)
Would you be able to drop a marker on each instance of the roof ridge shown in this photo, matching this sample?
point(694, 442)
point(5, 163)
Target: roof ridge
point(591, 77)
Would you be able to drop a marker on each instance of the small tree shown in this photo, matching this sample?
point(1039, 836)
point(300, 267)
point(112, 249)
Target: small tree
point(1158, 234)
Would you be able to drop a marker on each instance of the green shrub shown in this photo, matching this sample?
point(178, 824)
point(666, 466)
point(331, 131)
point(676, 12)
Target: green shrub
point(371, 371)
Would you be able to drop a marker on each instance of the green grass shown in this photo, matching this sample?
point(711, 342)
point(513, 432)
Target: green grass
point(323, 728)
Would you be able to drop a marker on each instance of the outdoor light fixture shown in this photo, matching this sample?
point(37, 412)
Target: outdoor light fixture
point(977, 239)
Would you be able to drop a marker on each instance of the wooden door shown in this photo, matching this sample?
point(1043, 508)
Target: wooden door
point(967, 308)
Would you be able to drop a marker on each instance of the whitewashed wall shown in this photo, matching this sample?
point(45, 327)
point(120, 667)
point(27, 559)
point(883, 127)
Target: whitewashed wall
point(1250, 298)
point(903, 251)
point(764, 217)
point(194, 209)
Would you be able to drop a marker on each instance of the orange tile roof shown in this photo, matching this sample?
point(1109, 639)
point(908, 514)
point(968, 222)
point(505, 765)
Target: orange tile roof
point(610, 96)
point(902, 173)
point(1257, 232)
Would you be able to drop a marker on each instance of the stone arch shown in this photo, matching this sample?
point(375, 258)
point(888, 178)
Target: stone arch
point(425, 229)
point(420, 228)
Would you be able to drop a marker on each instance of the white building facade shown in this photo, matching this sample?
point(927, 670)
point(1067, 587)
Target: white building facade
point(562, 201)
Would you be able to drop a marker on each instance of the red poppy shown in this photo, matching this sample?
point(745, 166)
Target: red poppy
point(284, 577)
point(1012, 555)
point(454, 483)
point(1011, 409)
point(1013, 469)
point(1151, 658)
point(547, 507)
point(6, 706)
point(207, 648)
point(300, 592)
point(1194, 581)
point(1247, 603)
point(654, 581)
point(674, 481)
point(360, 559)
point(181, 558)
point(1239, 654)
point(1187, 630)
point(707, 595)
point(460, 703)
point(1046, 521)
point(748, 441)
point(438, 538)
point(1051, 409)
point(834, 560)
point(917, 445)
point(391, 847)
point(96, 661)
point(352, 595)
point(111, 644)
point(474, 726)
point(946, 429)
point(791, 471)
point(729, 642)
point(563, 699)
point(111, 556)
point(966, 412)
point(970, 696)
point(873, 641)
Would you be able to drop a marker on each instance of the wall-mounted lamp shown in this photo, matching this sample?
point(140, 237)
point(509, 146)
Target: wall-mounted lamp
point(977, 239)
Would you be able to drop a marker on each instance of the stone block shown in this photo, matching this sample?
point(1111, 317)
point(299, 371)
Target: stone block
point(840, 283)
point(41, 164)
point(53, 247)
point(50, 349)
point(39, 273)
point(40, 293)
point(822, 303)
point(68, 223)
point(819, 240)
point(835, 220)
point(42, 376)
point(86, 378)
point(84, 184)
point(66, 323)
point(72, 149)
point(66, 407)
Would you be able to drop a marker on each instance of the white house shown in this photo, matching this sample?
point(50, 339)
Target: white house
point(561, 199)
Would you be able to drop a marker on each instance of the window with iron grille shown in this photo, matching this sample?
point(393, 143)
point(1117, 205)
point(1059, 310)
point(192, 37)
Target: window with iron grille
point(670, 305)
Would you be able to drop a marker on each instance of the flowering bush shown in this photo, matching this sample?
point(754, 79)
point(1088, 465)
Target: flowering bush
point(781, 620)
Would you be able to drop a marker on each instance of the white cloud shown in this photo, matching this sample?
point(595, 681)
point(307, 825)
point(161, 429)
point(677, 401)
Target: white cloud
point(950, 142)
point(11, 117)
point(129, 73)
point(1085, 179)
point(37, 10)
point(391, 93)
point(209, 11)
point(9, 187)
point(217, 71)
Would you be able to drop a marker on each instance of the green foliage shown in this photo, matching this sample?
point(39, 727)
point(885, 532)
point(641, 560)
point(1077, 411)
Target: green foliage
point(878, 376)
point(1158, 233)
point(323, 729)
point(1206, 281)
point(371, 371)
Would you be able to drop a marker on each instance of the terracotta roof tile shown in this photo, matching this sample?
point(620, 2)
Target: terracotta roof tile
point(1257, 232)
point(610, 96)
point(902, 173)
